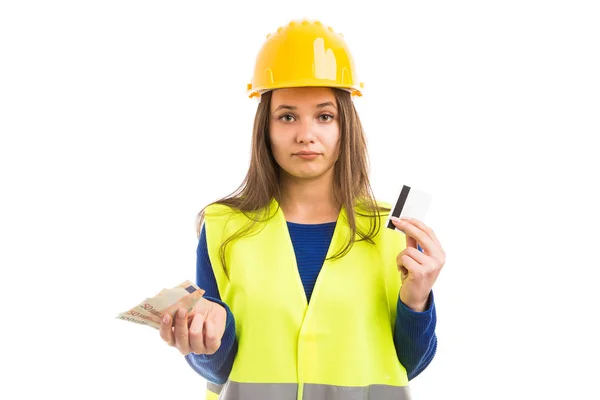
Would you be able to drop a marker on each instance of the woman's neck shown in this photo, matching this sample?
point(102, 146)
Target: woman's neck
point(308, 201)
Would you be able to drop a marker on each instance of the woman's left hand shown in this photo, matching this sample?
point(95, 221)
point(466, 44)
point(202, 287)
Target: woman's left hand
point(419, 269)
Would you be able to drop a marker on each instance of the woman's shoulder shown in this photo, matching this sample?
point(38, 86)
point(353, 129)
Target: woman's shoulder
point(234, 210)
point(373, 208)
point(217, 209)
point(384, 206)
point(221, 216)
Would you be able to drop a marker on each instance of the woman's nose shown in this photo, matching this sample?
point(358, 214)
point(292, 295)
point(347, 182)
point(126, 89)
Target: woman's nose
point(305, 133)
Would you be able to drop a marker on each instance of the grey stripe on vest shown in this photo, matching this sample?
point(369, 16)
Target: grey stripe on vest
point(372, 392)
point(214, 387)
point(288, 391)
point(258, 391)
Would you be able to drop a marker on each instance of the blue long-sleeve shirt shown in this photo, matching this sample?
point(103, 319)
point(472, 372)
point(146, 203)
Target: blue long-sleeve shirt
point(414, 334)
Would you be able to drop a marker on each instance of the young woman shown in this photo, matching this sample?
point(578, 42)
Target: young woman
point(308, 294)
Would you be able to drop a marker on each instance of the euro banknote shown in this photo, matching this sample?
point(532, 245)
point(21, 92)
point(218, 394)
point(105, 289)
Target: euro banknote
point(150, 311)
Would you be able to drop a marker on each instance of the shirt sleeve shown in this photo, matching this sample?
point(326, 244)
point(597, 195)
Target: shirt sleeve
point(414, 336)
point(215, 367)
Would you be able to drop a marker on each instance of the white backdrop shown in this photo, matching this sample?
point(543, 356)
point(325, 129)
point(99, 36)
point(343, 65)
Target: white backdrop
point(120, 120)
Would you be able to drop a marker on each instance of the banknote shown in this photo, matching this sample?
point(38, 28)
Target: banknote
point(150, 311)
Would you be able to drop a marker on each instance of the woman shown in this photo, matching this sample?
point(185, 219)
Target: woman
point(308, 294)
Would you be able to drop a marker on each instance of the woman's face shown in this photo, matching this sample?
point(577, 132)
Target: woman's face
point(304, 131)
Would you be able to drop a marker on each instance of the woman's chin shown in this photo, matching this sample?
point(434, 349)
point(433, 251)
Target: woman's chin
point(306, 173)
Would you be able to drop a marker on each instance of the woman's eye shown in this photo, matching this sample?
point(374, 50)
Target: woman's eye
point(326, 117)
point(287, 118)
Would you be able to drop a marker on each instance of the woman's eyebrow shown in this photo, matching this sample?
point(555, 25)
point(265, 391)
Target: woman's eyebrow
point(320, 105)
point(329, 103)
point(284, 107)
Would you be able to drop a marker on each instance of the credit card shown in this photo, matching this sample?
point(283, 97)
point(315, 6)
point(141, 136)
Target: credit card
point(411, 203)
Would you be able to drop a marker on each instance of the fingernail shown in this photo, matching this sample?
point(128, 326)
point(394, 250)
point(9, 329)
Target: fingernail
point(396, 219)
point(181, 313)
point(166, 319)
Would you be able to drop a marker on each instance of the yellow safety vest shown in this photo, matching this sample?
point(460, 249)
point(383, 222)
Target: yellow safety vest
point(340, 346)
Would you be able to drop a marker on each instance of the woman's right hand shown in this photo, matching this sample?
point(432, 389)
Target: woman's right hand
point(201, 335)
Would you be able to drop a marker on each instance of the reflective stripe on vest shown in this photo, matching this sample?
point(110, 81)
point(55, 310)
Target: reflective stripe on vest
point(338, 346)
point(289, 391)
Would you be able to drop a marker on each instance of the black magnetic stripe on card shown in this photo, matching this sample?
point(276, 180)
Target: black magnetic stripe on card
point(399, 205)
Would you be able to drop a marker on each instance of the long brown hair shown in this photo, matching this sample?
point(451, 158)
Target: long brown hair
point(352, 187)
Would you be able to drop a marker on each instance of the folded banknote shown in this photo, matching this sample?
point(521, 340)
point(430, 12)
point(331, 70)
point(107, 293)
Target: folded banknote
point(150, 311)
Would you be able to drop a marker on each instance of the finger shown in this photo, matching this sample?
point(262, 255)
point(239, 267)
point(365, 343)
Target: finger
point(412, 231)
point(420, 257)
point(190, 318)
point(197, 335)
point(420, 224)
point(216, 328)
point(212, 339)
point(415, 232)
point(400, 263)
point(438, 253)
point(166, 330)
point(414, 268)
point(411, 242)
point(182, 340)
point(403, 272)
point(428, 263)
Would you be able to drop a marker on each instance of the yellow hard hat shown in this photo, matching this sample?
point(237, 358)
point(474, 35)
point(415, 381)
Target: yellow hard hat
point(304, 53)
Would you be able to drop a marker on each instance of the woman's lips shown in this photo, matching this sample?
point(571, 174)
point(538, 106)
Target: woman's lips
point(307, 155)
